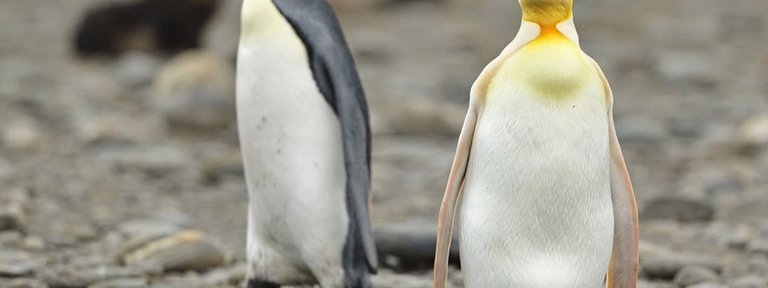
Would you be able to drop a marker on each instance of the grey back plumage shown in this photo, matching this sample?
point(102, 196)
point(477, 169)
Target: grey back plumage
point(336, 76)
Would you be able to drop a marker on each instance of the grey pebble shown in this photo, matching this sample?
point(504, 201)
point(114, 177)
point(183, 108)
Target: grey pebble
point(750, 281)
point(196, 89)
point(121, 283)
point(13, 208)
point(183, 251)
point(667, 265)
point(154, 161)
point(641, 129)
point(69, 275)
point(10, 238)
point(691, 275)
point(758, 246)
point(136, 69)
point(227, 275)
point(707, 285)
point(679, 209)
point(22, 283)
point(683, 66)
point(17, 263)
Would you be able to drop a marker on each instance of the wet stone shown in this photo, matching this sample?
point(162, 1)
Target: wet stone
point(753, 134)
point(136, 69)
point(68, 275)
point(691, 275)
point(121, 283)
point(679, 209)
point(12, 210)
point(758, 264)
point(196, 89)
point(668, 265)
point(707, 285)
point(155, 161)
point(33, 243)
point(758, 246)
point(22, 283)
point(183, 251)
point(10, 238)
point(17, 264)
point(750, 281)
point(739, 238)
point(148, 227)
point(228, 275)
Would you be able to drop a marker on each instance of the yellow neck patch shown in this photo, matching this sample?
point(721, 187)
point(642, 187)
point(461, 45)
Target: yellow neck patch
point(551, 66)
point(546, 12)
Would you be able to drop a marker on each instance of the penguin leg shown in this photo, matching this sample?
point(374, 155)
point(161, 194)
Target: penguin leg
point(257, 283)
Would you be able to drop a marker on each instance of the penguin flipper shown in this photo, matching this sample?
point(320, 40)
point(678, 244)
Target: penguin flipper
point(623, 269)
point(336, 77)
point(451, 198)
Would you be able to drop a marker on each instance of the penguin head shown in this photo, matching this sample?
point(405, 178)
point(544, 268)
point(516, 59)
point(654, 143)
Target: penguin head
point(546, 12)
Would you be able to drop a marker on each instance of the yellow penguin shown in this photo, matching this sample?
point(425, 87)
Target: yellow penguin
point(546, 199)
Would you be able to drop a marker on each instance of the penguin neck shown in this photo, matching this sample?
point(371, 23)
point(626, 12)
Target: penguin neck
point(259, 17)
point(532, 31)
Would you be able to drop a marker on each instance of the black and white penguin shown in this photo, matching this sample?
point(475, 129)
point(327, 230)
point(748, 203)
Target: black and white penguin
point(304, 133)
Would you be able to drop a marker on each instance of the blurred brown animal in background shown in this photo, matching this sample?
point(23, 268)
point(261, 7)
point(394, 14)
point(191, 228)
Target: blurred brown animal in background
point(164, 26)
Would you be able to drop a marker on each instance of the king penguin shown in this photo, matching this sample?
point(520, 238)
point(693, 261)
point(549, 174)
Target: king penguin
point(305, 140)
point(546, 199)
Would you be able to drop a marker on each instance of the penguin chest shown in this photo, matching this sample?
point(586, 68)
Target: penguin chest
point(536, 204)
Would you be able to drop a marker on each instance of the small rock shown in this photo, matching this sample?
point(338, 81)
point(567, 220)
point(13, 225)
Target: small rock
point(641, 129)
point(229, 275)
point(758, 264)
point(182, 251)
point(10, 238)
point(647, 284)
point(33, 243)
point(83, 275)
point(22, 283)
point(13, 208)
point(156, 161)
point(17, 264)
point(21, 135)
point(136, 69)
point(411, 245)
point(682, 210)
point(691, 275)
point(683, 66)
point(196, 89)
point(738, 238)
point(723, 186)
point(387, 279)
point(83, 231)
point(229, 163)
point(148, 227)
point(758, 246)
point(668, 265)
point(118, 129)
point(12, 218)
point(707, 285)
point(750, 281)
point(753, 134)
point(417, 116)
point(122, 283)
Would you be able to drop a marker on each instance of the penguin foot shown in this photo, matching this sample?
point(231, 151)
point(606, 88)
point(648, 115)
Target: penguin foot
point(256, 283)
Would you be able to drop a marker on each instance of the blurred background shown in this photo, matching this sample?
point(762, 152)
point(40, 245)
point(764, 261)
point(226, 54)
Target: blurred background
point(119, 160)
